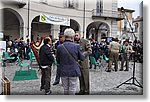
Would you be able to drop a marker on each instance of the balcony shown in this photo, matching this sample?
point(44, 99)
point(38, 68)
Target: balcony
point(107, 14)
point(19, 3)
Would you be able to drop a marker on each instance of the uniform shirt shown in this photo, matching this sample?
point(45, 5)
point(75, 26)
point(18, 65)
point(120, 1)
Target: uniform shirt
point(114, 46)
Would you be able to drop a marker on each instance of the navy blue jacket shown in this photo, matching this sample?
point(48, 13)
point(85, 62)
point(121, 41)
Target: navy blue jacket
point(46, 57)
point(68, 66)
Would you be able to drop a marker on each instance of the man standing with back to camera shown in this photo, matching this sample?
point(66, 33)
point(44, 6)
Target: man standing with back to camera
point(84, 78)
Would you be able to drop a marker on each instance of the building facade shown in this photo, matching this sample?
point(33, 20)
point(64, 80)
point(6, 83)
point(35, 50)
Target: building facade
point(94, 19)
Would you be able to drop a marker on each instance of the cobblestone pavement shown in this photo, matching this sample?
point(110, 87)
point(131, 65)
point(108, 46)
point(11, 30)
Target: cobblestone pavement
point(101, 82)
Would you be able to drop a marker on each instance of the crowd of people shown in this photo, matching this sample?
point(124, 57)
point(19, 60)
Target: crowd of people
point(72, 54)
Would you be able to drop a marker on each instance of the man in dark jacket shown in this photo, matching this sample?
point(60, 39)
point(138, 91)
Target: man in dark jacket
point(46, 60)
point(68, 55)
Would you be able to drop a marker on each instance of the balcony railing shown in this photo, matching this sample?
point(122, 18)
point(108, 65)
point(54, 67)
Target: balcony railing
point(107, 14)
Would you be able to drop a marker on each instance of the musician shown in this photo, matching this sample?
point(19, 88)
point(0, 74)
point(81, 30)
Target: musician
point(46, 60)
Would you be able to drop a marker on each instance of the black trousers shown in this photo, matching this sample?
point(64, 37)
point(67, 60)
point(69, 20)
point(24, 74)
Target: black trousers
point(57, 78)
point(46, 78)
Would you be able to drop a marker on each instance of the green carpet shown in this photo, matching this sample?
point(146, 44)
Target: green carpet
point(25, 75)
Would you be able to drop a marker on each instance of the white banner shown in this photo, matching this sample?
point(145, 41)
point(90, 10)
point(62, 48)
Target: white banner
point(54, 20)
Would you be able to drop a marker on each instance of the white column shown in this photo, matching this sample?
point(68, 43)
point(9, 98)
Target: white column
point(81, 32)
point(55, 29)
point(24, 32)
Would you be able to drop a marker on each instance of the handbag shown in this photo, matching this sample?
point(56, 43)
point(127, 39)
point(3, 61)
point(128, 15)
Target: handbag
point(71, 55)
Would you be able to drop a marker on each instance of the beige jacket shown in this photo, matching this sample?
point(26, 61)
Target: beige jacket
point(114, 46)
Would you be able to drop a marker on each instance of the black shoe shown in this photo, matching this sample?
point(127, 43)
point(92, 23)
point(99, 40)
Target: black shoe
point(121, 70)
point(48, 93)
point(126, 70)
point(41, 89)
point(86, 93)
point(80, 93)
point(55, 83)
point(108, 71)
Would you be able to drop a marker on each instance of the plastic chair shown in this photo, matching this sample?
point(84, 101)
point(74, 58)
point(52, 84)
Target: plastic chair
point(106, 58)
point(21, 64)
point(55, 61)
point(31, 57)
point(103, 60)
point(7, 56)
point(94, 62)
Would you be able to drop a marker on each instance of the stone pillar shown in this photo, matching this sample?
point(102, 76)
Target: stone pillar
point(24, 33)
point(81, 32)
point(1, 30)
point(55, 29)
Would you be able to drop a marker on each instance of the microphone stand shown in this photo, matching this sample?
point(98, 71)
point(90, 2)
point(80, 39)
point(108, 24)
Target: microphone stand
point(133, 79)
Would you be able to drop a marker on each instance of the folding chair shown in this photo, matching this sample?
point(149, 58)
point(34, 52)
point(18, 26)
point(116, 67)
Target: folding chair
point(8, 57)
point(31, 57)
point(21, 64)
point(94, 62)
point(103, 59)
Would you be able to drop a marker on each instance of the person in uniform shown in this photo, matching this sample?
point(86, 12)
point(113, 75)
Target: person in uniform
point(113, 54)
point(126, 51)
point(60, 41)
point(84, 78)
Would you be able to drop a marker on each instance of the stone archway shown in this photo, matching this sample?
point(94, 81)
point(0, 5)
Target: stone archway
point(97, 30)
point(39, 29)
point(103, 30)
point(13, 24)
point(73, 24)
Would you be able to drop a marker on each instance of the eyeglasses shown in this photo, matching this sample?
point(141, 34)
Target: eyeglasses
point(60, 36)
point(76, 35)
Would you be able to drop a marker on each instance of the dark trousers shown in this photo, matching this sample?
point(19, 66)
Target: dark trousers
point(113, 57)
point(84, 81)
point(46, 78)
point(57, 78)
point(125, 58)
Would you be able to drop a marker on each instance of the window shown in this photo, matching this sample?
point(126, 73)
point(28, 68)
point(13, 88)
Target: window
point(99, 7)
point(136, 27)
point(71, 3)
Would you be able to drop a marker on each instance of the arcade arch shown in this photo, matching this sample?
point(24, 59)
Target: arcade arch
point(13, 28)
point(97, 30)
